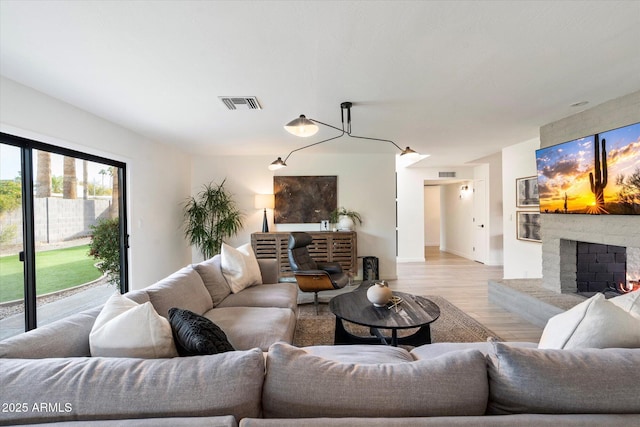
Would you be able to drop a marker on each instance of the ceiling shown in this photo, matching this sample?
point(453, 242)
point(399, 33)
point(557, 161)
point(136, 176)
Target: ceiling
point(456, 80)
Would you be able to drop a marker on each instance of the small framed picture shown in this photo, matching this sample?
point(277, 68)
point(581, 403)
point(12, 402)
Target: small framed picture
point(528, 226)
point(324, 225)
point(527, 192)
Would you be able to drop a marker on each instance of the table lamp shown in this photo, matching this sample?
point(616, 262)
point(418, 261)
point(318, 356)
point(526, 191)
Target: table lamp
point(264, 201)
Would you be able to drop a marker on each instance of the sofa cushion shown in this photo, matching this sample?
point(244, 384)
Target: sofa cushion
point(428, 351)
point(595, 323)
point(250, 327)
point(526, 420)
point(196, 335)
point(580, 381)
point(211, 273)
point(221, 421)
point(67, 337)
point(283, 295)
point(360, 353)
point(127, 329)
point(182, 289)
point(269, 270)
point(301, 385)
point(628, 302)
point(140, 296)
point(121, 388)
point(240, 267)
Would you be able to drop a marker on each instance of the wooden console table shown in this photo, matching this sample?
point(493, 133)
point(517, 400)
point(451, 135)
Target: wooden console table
point(327, 246)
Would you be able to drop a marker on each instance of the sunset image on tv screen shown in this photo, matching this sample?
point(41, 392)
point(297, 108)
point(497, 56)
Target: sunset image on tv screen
point(598, 174)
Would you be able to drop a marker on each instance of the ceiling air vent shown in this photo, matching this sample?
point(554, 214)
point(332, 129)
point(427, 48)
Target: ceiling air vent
point(241, 102)
point(446, 174)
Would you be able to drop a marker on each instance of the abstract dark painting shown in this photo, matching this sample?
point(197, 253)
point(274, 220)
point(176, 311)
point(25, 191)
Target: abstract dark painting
point(304, 199)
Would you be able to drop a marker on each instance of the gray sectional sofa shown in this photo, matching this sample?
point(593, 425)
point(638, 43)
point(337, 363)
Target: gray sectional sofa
point(254, 318)
point(48, 376)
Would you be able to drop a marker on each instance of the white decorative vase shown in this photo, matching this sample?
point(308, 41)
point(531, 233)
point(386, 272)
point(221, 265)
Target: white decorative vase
point(379, 294)
point(345, 223)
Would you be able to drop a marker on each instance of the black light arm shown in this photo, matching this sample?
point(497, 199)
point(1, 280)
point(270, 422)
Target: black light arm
point(315, 143)
point(347, 106)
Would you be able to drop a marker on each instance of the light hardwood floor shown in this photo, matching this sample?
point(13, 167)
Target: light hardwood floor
point(464, 284)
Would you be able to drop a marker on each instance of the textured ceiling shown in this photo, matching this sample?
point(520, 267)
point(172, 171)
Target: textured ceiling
point(456, 80)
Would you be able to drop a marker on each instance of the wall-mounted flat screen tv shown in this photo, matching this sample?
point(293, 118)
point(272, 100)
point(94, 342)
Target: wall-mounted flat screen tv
point(597, 174)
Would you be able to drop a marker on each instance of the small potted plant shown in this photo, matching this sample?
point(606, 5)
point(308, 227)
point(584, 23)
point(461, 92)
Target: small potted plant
point(345, 219)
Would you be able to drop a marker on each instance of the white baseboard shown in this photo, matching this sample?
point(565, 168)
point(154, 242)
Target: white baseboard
point(403, 260)
point(460, 254)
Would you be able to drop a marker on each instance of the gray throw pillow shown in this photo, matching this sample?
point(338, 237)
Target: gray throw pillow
point(195, 335)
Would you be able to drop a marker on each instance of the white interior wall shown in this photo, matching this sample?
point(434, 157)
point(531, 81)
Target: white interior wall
point(157, 174)
point(410, 215)
point(366, 184)
point(457, 221)
point(522, 259)
point(432, 215)
point(496, 202)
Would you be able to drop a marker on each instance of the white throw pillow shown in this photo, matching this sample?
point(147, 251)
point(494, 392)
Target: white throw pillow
point(240, 267)
point(594, 323)
point(629, 302)
point(125, 328)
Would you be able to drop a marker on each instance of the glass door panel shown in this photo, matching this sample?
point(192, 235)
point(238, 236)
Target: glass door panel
point(12, 311)
point(73, 199)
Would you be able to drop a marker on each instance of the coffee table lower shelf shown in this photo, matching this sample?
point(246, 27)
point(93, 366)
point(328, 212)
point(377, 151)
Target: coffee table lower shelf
point(420, 337)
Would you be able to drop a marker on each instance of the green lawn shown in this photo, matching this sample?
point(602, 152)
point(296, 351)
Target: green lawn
point(55, 270)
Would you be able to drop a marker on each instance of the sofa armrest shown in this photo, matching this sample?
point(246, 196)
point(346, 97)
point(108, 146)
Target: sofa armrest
point(67, 337)
point(122, 388)
point(268, 269)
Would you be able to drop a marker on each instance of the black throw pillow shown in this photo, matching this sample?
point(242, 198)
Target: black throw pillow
point(196, 335)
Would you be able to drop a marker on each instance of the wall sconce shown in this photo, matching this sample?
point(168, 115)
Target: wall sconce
point(264, 201)
point(463, 191)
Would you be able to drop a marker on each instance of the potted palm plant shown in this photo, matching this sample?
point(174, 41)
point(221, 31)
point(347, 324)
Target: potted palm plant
point(210, 218)
point(345, 219)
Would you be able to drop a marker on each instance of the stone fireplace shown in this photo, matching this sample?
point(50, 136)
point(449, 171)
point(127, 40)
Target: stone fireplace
point(613, 241)
point(560, 232)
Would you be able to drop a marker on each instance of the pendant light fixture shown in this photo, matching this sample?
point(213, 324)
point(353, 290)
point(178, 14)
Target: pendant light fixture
point(305, 127)
point(301, 127)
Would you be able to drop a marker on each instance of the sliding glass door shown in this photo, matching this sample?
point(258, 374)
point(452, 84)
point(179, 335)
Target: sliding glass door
point(12, 281)
point(65, 245)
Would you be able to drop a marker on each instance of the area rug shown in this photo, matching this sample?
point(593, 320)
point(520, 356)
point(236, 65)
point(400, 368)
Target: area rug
point(453, 325)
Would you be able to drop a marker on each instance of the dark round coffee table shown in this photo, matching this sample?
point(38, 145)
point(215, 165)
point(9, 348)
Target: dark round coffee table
point(413, 312)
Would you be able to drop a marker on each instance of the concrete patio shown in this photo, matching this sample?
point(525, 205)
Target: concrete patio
point(55, 310)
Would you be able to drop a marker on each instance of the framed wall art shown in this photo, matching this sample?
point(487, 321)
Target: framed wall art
point(304, 199)
point(527, 192)
point(528, 226)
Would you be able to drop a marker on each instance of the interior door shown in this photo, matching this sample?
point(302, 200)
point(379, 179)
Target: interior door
point(480, 230)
